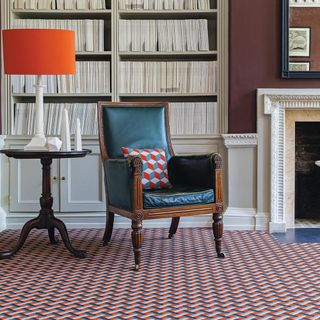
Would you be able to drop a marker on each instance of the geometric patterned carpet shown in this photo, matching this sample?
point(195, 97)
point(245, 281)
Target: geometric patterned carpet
point(260, 278)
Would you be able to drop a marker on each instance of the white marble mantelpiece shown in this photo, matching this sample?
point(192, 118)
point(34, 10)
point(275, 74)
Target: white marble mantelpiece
point(274, 185)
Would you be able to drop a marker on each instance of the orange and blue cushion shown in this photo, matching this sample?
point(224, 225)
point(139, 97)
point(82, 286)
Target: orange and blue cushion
point(155, 172)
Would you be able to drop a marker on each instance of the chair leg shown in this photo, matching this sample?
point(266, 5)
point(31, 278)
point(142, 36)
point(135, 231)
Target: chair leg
point(217, 227)
point(173, 227)
point(137, 238)
point(109, 227)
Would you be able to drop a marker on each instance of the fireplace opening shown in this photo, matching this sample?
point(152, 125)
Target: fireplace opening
point(307, 174)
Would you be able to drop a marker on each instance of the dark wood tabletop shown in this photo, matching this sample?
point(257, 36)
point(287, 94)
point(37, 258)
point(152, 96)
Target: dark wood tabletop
point(30, 154)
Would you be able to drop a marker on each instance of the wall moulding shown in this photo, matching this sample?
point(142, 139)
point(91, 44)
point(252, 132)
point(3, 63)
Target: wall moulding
point(272, 105)
point(240, 140)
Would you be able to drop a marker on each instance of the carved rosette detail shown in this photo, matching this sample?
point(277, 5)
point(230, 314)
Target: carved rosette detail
point(217, 160)
point(219, 208)
point(138, 215)
point(136, 164)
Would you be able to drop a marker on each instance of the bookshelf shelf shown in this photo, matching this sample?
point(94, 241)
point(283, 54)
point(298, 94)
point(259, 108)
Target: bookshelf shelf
point(167, 94)
point(167, 55)
point(94, 54)
point(168, 14)
point(61, 14)
point(58, 95)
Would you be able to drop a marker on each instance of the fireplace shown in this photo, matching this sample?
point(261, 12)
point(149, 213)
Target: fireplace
point(307, 174)
point(282, 115)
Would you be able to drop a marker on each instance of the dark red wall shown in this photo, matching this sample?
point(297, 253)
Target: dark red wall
point(254, 59)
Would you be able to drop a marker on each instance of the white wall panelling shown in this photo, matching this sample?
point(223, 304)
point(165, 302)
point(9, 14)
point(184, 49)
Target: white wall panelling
point(241, 176)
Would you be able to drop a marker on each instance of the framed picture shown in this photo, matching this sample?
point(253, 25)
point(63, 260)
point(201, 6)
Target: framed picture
point(299, 66)
point(299, 42)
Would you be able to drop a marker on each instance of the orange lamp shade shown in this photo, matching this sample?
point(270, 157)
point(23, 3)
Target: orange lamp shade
point(39, 51)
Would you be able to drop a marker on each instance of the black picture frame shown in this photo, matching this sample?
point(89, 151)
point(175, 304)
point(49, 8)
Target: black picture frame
point(285, 72)
point(309, 42)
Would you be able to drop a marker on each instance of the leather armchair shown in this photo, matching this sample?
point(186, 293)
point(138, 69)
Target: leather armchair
point(196, 180)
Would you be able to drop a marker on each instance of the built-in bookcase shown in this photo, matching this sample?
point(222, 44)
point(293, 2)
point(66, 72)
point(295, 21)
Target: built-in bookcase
point(131, 50)
point(92, 22)
point(171, 54)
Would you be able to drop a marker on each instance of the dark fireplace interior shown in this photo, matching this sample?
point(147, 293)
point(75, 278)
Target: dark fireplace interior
point(307, 179)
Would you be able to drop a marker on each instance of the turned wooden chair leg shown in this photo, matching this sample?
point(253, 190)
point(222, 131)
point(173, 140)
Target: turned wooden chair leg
point(217, 227)
point(173, 227)
point(137, 238)
point(109, 227)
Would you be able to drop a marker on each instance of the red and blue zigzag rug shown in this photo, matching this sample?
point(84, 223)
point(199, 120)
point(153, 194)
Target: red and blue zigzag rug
point(260, 278)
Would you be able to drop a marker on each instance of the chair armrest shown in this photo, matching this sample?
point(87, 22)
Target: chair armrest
point(121, 180)
point(203, 171)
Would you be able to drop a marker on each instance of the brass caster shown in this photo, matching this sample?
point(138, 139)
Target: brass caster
point(221, 255)
point(5, 255)
point(137, 267)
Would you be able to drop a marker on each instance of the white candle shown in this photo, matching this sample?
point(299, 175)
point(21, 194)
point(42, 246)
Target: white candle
point(65, 132)
point(78, 142)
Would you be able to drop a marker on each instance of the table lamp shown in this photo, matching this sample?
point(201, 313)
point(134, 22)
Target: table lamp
point(38, 52)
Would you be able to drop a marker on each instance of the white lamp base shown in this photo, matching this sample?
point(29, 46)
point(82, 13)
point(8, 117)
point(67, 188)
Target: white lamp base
point(37, 144)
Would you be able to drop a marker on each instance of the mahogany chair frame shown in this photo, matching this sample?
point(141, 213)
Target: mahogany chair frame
point(138, 214)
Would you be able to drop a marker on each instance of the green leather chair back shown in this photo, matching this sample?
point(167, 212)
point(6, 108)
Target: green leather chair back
point(134, 125)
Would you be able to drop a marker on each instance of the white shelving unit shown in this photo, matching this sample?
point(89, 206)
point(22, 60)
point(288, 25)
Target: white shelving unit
point(92, 202)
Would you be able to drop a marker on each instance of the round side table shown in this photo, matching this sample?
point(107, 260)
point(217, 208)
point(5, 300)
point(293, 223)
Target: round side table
point(46, 218)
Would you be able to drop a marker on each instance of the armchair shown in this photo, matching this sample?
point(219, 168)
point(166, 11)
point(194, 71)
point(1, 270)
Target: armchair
point(196, 181)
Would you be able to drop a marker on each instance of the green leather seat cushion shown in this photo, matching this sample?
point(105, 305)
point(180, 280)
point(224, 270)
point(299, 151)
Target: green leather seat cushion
point(176, 197)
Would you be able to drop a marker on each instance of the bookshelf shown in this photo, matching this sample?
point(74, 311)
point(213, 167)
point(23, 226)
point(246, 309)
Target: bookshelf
point(178, 53)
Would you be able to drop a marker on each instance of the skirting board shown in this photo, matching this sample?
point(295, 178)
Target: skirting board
point(277, 227)
point(245, 219)
point(2, 220)
point(234, 219)
point(2, 212)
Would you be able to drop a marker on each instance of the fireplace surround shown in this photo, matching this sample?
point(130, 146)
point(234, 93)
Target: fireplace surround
point(277, 112)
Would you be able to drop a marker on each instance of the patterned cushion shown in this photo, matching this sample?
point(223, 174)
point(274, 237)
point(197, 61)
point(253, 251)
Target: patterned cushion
point(155, 172)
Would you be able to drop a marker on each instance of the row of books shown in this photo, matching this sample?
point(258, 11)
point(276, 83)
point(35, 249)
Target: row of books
point(192, 118)
point(164, 4)
point(86, 112)
point(59, 4)
point(186, 118)
point(163, 35)
point(90, 77)
point(89, 34)
point(170, 76)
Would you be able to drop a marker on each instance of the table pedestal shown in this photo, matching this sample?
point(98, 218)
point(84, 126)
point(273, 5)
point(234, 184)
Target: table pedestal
point(45, 219)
